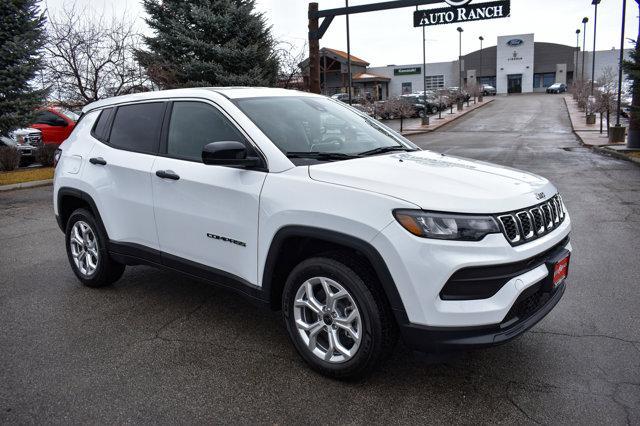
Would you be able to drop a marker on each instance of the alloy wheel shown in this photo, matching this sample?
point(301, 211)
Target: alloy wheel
point(84, 248)
point(328, 320)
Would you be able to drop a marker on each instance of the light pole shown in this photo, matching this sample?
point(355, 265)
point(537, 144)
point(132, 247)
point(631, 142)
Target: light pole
point(595, 3)
point(575, 68)
point(460, 31)
point(348, 52)
point(624, 15)
point(584, 45)
point(480, 96)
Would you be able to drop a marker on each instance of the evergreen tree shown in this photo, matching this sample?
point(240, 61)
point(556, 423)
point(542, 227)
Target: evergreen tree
point(21, 38)
point(632, 68)
point(208, 43)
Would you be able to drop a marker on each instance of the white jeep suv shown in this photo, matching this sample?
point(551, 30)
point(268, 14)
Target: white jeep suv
point(304, 204)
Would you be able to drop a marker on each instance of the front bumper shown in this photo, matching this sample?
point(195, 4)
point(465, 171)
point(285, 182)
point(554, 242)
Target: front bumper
point(435, 339)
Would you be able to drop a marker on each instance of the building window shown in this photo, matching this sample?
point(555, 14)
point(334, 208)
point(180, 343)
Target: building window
point(544, 79)
point(434, 82)
point(406, 88)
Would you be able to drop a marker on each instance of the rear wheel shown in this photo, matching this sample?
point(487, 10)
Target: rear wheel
point(337, 318)
point(87, 251)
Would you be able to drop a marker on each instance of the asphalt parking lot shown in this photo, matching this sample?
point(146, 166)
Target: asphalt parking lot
point(159, 348)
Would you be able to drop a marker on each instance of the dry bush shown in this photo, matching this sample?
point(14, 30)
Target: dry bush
point(45, 155)
point(9, 158)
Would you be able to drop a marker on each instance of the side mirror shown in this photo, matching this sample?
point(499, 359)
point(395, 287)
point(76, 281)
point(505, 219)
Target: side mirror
point(228, 153)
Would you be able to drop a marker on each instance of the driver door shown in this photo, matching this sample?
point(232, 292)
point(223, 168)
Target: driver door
point(205, 214)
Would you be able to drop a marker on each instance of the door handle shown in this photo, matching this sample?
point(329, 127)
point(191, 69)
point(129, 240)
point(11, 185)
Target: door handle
point(98, 161)
point(167, 174)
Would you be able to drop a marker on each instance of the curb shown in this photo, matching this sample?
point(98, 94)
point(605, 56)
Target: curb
point(599, 149)
point(614, 153)
point(437, 127)
point(24, 185)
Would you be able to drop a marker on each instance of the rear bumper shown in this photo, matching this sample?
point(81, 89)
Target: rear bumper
point(443, 339)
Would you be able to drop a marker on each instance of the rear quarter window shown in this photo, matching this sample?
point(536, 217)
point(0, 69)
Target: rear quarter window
point(137, 127)
point(100, 129)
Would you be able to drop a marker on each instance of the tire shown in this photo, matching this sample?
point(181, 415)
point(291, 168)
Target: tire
point(433, 110)
point(371, 317)
point(85, 235)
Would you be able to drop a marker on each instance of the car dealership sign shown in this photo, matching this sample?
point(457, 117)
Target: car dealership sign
point(462, 11)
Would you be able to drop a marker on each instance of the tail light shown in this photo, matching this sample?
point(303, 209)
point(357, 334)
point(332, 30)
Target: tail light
point(56, 157)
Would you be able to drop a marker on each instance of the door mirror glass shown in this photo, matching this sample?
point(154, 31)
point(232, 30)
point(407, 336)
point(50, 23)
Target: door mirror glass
point(227, 153)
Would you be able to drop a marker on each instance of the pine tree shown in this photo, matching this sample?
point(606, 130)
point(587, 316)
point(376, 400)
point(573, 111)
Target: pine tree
point(208, 43)
point(21, 39)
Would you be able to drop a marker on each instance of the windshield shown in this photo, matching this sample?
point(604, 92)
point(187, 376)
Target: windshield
point(70, 114)
point(303, 124)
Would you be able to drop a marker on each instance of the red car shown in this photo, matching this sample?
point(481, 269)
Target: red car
point(56, 124)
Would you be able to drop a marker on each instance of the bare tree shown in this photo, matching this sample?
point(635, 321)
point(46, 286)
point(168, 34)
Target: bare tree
point(88, 57)
point(290, 73)
point(606, 95)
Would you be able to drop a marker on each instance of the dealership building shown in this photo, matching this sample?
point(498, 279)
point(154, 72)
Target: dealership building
point(516, 64)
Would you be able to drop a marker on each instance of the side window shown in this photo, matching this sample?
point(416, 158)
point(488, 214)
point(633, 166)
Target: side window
point(137, 127)
point(195, 124)
point(47, 117)
point(101, 127)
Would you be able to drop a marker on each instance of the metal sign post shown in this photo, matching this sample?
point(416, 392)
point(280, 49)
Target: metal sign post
point(458, 11)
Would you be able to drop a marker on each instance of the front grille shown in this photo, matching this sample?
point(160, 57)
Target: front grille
point(527, 225)
point(33, 139)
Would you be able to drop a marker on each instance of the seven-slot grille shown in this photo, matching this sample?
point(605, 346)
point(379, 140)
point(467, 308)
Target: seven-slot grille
point(525, 225)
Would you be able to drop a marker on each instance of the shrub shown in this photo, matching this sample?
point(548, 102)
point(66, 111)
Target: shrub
point(45, 154)
point(9, 158)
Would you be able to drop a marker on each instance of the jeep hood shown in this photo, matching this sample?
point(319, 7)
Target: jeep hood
point(438, 182)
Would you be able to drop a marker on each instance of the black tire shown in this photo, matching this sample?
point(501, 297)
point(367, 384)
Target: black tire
point(107, 270)
point(378, 327)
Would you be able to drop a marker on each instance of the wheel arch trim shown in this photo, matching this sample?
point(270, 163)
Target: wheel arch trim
point(369, 251)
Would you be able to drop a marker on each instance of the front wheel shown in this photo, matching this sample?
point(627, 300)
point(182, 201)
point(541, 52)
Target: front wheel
point(337, 318)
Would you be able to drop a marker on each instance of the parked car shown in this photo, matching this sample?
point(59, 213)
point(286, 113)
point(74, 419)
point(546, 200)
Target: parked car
point(342, 97)
point(456, 92)
point(487, 90)
point(305, 205)
point(557, 88)
point(56, 124)
point(26, 141)
point(418, 101)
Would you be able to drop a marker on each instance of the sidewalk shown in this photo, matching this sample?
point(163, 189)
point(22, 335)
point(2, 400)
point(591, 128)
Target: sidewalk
point(412, 126)
point(590, 136)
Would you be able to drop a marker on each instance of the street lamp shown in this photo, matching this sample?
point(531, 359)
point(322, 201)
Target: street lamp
point(480, 97)
point(460, 30)
point(575, 68)
point(346, 4)
point(584, 45)
point(595, 3)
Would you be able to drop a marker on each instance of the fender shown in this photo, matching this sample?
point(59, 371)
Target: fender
point(76, 193)
point(380, 267)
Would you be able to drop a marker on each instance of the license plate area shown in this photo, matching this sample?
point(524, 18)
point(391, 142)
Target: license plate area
point(558, 266)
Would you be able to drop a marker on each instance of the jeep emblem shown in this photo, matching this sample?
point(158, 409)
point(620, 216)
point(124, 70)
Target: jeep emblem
point(540, 196)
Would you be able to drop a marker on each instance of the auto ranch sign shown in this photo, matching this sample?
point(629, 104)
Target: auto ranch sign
point(462, 11)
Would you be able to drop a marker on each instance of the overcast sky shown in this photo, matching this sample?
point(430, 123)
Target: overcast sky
point(388, 37)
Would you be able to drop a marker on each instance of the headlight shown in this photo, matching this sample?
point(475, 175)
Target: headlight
point(444, 226)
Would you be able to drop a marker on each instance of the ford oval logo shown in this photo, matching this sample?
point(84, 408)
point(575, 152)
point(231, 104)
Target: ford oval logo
point(457, 3)
point(515, 42)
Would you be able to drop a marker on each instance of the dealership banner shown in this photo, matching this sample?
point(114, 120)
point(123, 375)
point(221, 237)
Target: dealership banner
point(464, 13)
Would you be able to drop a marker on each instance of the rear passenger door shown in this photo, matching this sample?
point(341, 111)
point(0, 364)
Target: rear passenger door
point(119, 170)
point(205, 214)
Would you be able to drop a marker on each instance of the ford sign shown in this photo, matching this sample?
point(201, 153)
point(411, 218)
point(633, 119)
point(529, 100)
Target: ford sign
point(515, 42)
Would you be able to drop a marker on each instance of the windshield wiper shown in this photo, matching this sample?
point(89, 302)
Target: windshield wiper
point(383, 149)
point(321, 155)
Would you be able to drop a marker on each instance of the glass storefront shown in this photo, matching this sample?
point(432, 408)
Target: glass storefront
point(544, 80)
